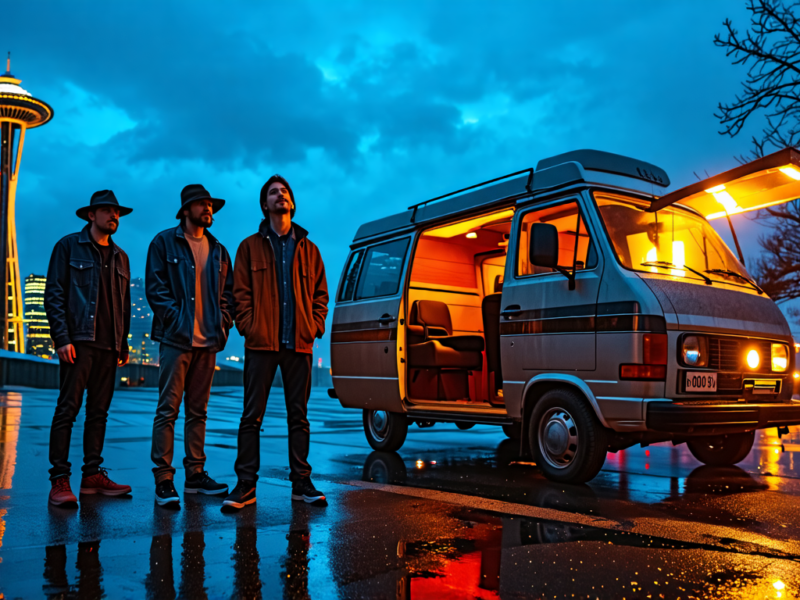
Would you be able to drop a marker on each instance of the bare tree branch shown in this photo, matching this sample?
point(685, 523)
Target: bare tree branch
point(770, 48)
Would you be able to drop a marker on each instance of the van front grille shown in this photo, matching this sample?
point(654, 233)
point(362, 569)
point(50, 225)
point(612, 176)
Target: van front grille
point(727, 354)
point(723, 354)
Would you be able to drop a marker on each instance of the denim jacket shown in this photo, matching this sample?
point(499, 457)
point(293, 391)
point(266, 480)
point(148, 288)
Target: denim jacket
point(73, 285)
point(170, 289)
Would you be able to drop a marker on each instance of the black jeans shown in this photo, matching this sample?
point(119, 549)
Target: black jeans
point(182, 373)
point(95, 371)
point(259, 371)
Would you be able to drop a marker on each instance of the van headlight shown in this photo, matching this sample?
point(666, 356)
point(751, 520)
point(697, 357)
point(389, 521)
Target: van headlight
point(780, 358)
point(694, 351)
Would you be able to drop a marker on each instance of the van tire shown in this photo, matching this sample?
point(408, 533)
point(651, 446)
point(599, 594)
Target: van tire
point(578, 442)
point(723, 450)
point(385, 431)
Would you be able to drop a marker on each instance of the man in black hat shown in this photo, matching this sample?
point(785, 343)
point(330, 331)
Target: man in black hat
point(189, 285)
point(88, 304)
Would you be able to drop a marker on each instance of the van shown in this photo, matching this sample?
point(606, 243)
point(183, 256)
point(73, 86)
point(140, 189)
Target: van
point(577, 305)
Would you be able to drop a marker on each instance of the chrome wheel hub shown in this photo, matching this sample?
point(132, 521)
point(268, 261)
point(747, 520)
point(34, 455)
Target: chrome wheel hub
point(379, 424)
point(558, 438)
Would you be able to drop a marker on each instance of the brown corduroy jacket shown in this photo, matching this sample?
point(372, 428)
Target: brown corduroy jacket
point(255, 293)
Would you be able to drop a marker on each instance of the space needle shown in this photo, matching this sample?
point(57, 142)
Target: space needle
point(19, 111)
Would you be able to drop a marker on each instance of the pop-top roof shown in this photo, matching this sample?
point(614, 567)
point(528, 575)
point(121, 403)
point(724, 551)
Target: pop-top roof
point(606, 162)
point(768, 181)
point(551, 173)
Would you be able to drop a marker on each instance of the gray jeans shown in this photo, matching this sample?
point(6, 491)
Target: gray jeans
point(182, 373)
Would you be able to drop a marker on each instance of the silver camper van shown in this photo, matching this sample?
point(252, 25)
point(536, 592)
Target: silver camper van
point(578, 305)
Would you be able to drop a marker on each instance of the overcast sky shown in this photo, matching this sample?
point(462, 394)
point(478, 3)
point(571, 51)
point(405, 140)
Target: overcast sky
point(365, 107)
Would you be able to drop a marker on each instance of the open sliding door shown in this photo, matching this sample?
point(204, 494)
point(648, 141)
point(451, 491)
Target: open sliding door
point(366, 321)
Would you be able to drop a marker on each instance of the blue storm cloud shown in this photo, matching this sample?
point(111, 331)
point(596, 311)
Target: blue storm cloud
point(364, 107)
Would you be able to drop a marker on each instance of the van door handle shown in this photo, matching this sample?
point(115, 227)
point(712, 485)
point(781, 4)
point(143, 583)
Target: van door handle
point(511, 311)
point(386, 319)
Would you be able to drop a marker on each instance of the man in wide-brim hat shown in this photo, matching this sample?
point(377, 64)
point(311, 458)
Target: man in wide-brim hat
point(88, 304)
point(189, 284)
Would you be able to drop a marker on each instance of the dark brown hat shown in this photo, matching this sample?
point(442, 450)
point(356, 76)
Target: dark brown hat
point(195, 191)
point(102, 198)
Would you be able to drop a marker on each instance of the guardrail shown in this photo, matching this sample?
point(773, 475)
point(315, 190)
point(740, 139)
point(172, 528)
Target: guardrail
point(31, 371)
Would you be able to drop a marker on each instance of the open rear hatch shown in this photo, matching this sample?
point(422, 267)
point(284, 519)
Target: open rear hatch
point(764, 182)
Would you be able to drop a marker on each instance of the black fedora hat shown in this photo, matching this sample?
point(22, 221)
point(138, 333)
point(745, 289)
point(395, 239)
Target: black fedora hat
point(195, 191)
point(102, 198)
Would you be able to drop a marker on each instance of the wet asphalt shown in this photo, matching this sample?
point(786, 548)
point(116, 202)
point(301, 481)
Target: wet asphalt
point(454, 514)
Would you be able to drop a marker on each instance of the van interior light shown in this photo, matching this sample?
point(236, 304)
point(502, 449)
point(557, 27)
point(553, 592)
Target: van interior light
point(791, 172)
point(727, 201)
point(678, 253)
point(472, 235)
point(652, 256)
point(715, 189)
point(678, 258)
point(462, 227)
point(753, 359)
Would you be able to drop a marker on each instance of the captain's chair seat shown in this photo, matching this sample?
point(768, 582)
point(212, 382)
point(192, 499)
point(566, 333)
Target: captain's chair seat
point(432, 344)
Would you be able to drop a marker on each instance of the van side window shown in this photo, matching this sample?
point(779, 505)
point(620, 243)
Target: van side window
point(351, 276)
point(383, 268)
point(572, 238)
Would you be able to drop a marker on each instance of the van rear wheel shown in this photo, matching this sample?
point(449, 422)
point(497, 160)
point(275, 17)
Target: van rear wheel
point(723, 450)
point(385, 430)
point(567, 440)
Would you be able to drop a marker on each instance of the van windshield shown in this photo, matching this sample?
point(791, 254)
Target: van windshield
point(672, 241)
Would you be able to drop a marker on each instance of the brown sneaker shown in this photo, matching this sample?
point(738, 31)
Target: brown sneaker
point(61, 494)
point(99, 483)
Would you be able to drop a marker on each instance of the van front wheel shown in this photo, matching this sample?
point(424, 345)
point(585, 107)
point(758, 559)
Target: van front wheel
point(567, 440)
point(385, 430)
point(723, 450)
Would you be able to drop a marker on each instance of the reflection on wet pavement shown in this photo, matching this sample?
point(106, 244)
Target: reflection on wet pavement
point(373, 544)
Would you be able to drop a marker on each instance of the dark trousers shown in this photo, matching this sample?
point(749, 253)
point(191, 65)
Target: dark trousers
point(95, 371)
point(187, 375)
point(259, 371)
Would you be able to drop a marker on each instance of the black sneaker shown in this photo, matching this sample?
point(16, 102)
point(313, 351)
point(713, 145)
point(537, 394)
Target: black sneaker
point(166, 493)
point(243, 494)
point(201, 483)
point(305, 491)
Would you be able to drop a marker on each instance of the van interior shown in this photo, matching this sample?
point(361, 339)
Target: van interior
point(453, 326)
point(453, 321)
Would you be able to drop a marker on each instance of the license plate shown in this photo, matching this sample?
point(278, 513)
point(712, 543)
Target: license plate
point(697, 381)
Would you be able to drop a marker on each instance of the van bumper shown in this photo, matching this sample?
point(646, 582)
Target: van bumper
point(701, 419)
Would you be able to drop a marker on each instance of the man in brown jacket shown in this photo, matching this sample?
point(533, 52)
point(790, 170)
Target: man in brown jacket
point(281, 300)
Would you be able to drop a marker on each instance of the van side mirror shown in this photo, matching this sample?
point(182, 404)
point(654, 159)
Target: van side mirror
point(543, 250)
point(544, 245)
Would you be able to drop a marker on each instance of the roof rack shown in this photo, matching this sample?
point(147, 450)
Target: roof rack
point(472, 187)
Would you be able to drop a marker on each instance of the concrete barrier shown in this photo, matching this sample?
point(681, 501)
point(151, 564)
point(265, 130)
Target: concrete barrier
point(32, 371)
